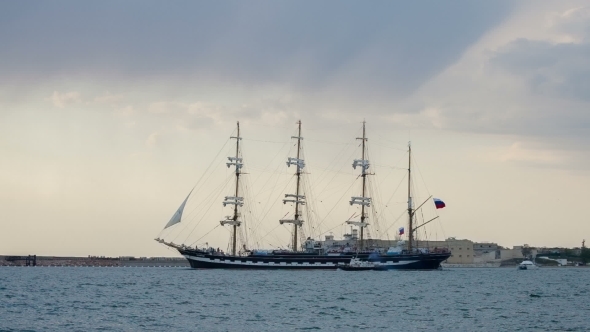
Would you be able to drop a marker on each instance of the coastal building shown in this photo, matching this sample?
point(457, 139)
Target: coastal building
point(461, 250)
point(484, 248)
point(514, 253)
point(486, 253)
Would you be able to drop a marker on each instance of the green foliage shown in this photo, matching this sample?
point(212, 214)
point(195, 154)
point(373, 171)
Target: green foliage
point(585, 255)
point(546, 262)
point(568, 253)
point(526, 251)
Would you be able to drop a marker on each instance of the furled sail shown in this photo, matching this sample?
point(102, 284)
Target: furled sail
point(178, 214)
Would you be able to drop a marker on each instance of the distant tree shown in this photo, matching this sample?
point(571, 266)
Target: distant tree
point(585, 255)
point(526, 250)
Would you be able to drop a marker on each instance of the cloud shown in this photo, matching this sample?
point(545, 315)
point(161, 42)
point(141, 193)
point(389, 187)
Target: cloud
point(531, 83)
point(557, 65)
point(125, 111)
point(330, 48)
point(166, 107)
point(267, 108)
point(555, 73)
point(188, 116)
point(108, 98)
point(61, 100)
point(408, 64)
point(152, 140)
point(557, 69)
point(573, 24)
point(521, 152)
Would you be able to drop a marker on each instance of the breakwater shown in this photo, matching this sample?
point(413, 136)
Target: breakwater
point(93, 261)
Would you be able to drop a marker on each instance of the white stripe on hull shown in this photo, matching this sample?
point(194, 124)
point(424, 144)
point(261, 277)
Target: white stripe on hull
point(307, 265)
point(259, 263)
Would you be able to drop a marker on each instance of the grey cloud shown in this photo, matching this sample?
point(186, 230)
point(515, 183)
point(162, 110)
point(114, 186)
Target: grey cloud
point(552, 109)
point(558, 78)
point(575, 23)
point(379, 49)
point(561, 69)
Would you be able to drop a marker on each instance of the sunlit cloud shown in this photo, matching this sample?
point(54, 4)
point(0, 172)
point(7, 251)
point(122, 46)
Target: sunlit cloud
point(61, 100)
point(519, 152)
point(152, 140)
point(126, 111)
point(108, 98)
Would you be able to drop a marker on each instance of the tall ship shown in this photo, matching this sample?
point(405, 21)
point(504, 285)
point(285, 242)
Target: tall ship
point(304, 250)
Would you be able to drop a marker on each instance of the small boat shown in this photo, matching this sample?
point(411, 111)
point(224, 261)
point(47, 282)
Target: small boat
point(357, 265)
point(527, 265)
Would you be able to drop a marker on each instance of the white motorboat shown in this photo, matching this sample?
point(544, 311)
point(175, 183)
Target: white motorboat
point(527, 265)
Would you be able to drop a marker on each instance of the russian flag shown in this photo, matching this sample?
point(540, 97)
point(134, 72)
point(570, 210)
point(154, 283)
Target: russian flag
point(439, 203)
point(401, 231)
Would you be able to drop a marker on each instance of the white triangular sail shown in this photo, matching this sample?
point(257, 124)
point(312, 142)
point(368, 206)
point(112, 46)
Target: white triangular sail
point(178, 214)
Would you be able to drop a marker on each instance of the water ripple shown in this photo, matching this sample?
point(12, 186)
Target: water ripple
point(174, 299)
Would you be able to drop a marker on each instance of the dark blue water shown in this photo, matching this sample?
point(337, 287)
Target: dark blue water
point(178, 299)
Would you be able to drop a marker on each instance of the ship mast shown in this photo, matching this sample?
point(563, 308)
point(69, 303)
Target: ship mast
point(235, 200)
point(410, 210)
point(296, 198)
point(362, 200)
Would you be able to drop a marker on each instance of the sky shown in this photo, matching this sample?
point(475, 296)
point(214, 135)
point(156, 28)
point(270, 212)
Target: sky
point(110, 112)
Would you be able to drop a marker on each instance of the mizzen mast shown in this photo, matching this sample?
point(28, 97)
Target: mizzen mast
point(235, 200)
point(410, 206)
point(362, 200)
point(296, 198)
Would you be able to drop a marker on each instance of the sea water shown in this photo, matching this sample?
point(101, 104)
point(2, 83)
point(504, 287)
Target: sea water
point(182, 299)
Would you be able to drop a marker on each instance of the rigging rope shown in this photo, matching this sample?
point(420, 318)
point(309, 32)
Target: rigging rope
point(203, 175)
point(205, 234)
point(204, 213)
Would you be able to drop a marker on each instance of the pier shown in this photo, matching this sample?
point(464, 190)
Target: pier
point(30, 260)
point(99, 261)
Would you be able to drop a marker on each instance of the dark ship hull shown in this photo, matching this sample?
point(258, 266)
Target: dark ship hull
point(199, 259)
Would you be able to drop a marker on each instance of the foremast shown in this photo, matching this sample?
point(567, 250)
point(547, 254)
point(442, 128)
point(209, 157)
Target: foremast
point(363, 200)
point(236, 200)
point(296, 198)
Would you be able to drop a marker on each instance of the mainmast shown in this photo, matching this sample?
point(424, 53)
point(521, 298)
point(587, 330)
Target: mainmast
point(362, 200)
point(410, 210)
point(296, 198)
point(235, 200)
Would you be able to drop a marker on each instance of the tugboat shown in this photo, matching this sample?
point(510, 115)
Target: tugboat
point(357, 265)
